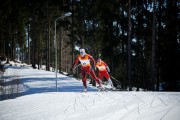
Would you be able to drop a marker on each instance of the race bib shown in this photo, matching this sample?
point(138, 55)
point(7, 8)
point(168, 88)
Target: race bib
point(85, 62)
point(101, 67)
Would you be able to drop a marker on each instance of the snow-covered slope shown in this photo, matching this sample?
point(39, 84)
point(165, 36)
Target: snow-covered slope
point(39, 101)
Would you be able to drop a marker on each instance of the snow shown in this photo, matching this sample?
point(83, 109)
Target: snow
point(38, 100)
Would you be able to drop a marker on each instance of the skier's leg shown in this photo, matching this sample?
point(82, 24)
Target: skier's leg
point(106, 75)
point(92, 74)
point(100, 76)
point(84, 80)
point(110, 82)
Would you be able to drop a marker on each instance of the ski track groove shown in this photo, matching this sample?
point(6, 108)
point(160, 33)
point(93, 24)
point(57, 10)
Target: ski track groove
point(66, 108)
point(167, 112)
point(81, 101)
point(94, 101)
point(75, 104)
point(138, 109)
point(135, 108)
point(152, 100)
point(128, 113)
point(162, 101)
point(171, 99)
point(138, 98)
point(124, 105)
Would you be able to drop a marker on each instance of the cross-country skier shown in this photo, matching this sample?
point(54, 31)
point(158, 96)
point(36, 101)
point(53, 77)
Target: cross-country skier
point(103, 70)
point(86, 67)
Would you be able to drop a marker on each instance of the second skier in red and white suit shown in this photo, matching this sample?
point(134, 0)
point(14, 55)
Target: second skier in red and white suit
point(103, 70)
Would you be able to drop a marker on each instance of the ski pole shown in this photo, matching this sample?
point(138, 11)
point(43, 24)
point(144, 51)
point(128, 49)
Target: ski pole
point(76, 66)
point(115, 79)
point(72, 70)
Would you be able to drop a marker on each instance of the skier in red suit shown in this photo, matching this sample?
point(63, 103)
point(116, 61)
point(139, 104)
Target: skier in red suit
point(103, 70)
point(86, 67)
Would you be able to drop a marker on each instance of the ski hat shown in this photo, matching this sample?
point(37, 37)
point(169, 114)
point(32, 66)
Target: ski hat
point(82, 52)
point(99, 60)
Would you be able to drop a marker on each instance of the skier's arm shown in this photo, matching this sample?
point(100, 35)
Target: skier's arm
point(107, 67)
point(75, 62)
point(92, 60)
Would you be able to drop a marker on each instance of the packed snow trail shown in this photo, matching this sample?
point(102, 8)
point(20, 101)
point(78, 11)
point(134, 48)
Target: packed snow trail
point(39, 81)
point(92, 106)
point(39, 101)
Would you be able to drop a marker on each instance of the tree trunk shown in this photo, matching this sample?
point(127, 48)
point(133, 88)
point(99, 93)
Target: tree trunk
point(48, 39)
point(34, 39)
point(158, 45)
point(154, 47)
point(9, 32)
point(29, 53)
point(129, 47)
point(72, 32)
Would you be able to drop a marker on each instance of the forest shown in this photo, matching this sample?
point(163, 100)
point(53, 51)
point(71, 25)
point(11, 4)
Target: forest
point(139, 39)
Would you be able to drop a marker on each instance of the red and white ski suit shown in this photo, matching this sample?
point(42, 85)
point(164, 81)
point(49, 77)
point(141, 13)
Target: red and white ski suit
point(102, 70)
point(86, 67)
